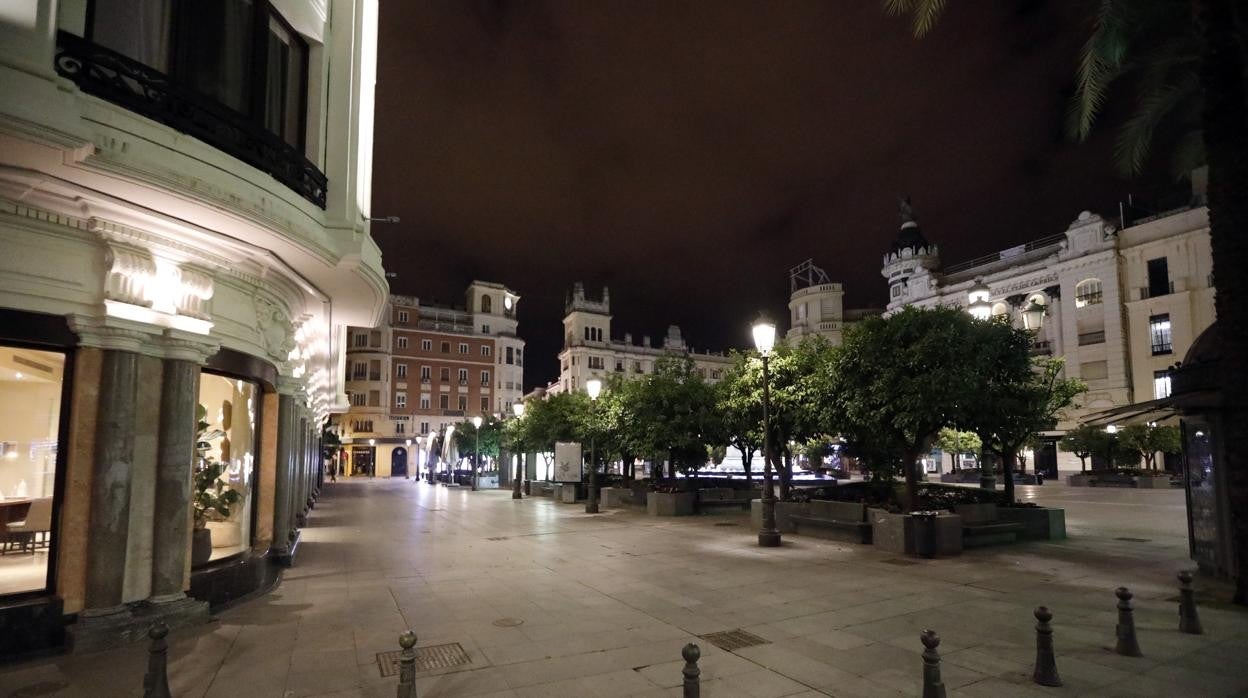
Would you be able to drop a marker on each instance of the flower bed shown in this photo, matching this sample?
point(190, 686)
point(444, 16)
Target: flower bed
point(891, 496)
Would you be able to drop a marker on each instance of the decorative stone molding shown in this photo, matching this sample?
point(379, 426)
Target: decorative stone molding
point(186, 346)
point(196, 292)
point(129, 273)
point(276, 333)
point(116, 333)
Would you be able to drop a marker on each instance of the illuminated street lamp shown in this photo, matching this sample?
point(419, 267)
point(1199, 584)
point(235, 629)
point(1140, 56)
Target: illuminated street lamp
point(407, 454)
point(593, 386)
point(1033, 316)
point(372, 466)
point(765, 340)
point(977, 301)
point(518, 410)
point(476, 461)
point(447, 441)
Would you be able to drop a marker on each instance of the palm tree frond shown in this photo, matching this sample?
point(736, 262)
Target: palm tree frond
point(1100, 63)
point(925, 13)
point(1189, 154)
point(1136, 137)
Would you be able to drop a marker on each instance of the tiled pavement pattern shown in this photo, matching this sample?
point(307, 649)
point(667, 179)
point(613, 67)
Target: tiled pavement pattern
point(608, 601)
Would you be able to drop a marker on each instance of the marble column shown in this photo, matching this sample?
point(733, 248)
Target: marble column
point(284, 478)
point(174, 461)
point(110, 483)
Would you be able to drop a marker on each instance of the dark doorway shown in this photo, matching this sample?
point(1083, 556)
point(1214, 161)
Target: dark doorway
point(398, 462)
point(362, 461)
point(1046, 459)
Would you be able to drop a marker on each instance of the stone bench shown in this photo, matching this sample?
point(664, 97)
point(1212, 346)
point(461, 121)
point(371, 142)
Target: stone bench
point(982, 526)
point(844, 521)
point(723, 497)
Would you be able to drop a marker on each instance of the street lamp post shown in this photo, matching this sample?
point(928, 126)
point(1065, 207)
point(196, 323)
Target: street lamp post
point(407, 454)
point(593, 386)
point(977, 300)
point(429, 457)
point(372, 464)
point(449, 441)
point(764, 340)
point(476, 460)
point(518, 410)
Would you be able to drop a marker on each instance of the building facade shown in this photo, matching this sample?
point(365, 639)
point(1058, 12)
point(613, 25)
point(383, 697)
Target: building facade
point(589, 350)
point(426, 368)
point(816, 306)
point(183, 204)
point(1119, 303)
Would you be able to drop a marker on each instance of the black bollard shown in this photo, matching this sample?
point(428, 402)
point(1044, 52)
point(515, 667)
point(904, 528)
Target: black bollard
point(156, 680)
point(692, 673)
point(1046, 663)
point(1127, 645)
point(1189, 621)
point(407, 665)
point(933, 687)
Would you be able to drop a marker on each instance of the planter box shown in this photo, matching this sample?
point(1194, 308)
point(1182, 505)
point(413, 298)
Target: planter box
point(670, 503)
point(1039, 523)
point(1094, 479)
point(1080, 480)
point(784, 510)
point(567, 493)
point(896, 533)
point(964, 476)
point(1153, 482)
point(613, 496)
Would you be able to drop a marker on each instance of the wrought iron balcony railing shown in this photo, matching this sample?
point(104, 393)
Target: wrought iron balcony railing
point(109, 75)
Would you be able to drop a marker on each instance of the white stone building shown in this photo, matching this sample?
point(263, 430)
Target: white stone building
point(1120, 306)
point(184, 196)
point(590, 351)
point(816, 305)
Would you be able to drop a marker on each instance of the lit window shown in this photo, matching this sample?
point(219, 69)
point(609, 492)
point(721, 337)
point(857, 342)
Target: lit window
point(1088, 293)
point(1159, 331)
point(1161, 384)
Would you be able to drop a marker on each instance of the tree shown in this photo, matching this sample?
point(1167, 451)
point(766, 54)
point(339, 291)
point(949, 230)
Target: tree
point(1085, 441)
point(673, 414)
point(491, 433)
point(738, 401)
point(798, 386)
point(554, 419)
point(1147, 440)
point(1218, 29)
point(896, 381)
point(955, 443)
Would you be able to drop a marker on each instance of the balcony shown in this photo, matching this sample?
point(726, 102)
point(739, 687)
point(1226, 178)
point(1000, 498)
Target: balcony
point(1161, 348)
point(1043, 348)
point(1092, 338)
point(106, 74)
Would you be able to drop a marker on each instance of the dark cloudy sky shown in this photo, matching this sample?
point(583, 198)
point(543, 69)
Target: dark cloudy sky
point(689, 153)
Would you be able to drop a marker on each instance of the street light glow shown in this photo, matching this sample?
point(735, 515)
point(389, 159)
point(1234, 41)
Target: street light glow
point(476, 422)
point(518, 409)
point(977, 300)
point(593, 386)
point(764, 335)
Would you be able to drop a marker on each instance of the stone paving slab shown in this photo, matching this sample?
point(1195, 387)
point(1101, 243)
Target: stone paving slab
point(548, 601)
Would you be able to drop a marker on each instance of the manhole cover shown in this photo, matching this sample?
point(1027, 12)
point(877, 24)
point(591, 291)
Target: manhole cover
point(1135, 540)
point(44, 688)
point(725, 523)
point(508, 622)
point(900, 562)
point(427, 658)
point(734, 639)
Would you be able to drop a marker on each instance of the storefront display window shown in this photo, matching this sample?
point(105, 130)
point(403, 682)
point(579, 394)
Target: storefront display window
point(225, 467)
point(31, 386)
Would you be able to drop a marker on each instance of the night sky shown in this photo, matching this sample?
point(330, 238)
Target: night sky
point(688, 154)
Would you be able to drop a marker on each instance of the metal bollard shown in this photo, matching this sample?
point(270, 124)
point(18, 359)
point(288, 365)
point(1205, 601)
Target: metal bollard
point(1127, 644)
point(1046, 663)
point(693, 675)
point(933, 687)
point(1189, 621)
point(156, 680)
point(407, 665)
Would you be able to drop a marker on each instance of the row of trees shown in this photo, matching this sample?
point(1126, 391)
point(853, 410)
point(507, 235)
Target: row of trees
point(887, 392)
point(1124, 448)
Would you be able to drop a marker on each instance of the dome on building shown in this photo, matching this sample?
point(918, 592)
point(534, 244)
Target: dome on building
point(909, 236)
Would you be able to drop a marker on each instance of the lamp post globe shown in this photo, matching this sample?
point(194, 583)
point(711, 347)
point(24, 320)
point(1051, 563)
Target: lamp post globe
point(518, 410)
point(476, 460)
point(1033, 316)
point(593, 386)
point(764, 332)
point(977, 300)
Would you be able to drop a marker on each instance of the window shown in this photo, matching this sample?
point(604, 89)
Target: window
point(485, 378)
point(400, 428)
point(424, 402)
point(359, 340)
point(359, 371)
point(231, 437)
point(637, 367)
point(574, 360)
point(424, 374)
point(444, 401)
point(426, 345)
point(619, 366)
point(1159, 330)
point(1161, 384)
point(463, 376)
point(358, 399)
point(1158, 277)
point(400, 370)
point(463, 402)
point(896, 291)
point(446, 347)
point(510, 356)
point(1088, 293)
point(362, 425)
point(463, 348)
point(487, 304)
point(519, 357)
point(374, 339)
point(485, 350)
point(400, 400)
point(444, 374)
point(424, 427)
point(374, 398)
point(31, 398)
point(374, 370)
point(715, 374)
point(403, 316)
point(401, 342)
point(597, 362)
point(485, 404)
point(485, 329)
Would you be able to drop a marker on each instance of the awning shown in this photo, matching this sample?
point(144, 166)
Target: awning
point(1150, 411)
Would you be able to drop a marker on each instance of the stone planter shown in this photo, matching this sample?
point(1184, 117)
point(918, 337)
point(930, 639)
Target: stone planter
point(201, 546)
point(670, 503)
point(1078, 480)
point(1039, 523)
point(784, 510)
point(1153, 482)
point(895, 533)
point(613, 496)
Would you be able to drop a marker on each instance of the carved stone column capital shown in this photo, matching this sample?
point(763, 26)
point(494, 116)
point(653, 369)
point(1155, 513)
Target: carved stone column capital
point(115, 333)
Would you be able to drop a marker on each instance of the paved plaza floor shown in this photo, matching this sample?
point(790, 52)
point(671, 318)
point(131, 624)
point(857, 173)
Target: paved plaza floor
point(548, 601)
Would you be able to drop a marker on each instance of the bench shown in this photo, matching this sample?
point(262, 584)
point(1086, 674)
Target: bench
point(845, 521)
point(981, 526)
point(723, 497)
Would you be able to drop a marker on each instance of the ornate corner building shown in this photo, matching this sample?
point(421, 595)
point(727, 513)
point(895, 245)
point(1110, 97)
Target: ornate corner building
point(183, 203)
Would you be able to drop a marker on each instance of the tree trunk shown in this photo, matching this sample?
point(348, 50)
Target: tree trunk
point(786, 475)
point(746, 457)
point(1083, 464)
point(953, 459)
point(911, 457)
point(1225, 126)
point(1008, 458)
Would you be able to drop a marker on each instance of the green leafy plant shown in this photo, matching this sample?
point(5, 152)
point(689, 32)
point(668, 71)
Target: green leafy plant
point(213, 498)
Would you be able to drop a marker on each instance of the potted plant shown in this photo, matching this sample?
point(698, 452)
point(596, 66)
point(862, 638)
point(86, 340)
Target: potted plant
point(213, 498)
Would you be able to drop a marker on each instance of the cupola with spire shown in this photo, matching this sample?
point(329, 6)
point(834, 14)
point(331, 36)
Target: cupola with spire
point(910, 255)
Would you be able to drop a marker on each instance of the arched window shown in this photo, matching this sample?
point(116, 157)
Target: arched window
point(1088, 292)
point(487, 304)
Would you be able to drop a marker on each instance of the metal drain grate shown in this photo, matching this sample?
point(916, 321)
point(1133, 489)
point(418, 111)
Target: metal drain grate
point(498, 538)
point(1135, 540)
point(730, 640)
point(427, 658)
point(725, 523)
point(900, 562)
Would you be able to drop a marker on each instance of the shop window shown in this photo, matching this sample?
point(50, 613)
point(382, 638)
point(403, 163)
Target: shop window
point(226, 462)
point(31, 390)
